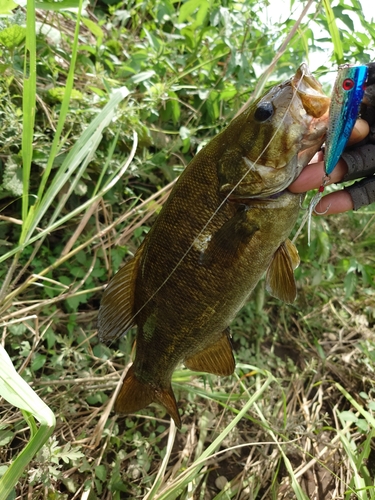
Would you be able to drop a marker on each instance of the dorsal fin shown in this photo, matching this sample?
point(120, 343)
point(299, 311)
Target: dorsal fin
point(116, 308)
point(135, 395)
point(280, 280)
point(217, 358)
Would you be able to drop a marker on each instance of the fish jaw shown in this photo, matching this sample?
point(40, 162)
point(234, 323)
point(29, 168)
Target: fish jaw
point(314, 101)
point(264, 157)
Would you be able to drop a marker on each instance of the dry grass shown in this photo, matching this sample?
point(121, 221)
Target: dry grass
point(298, 414)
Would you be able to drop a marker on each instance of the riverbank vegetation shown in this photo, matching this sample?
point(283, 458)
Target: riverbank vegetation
point(102, 106)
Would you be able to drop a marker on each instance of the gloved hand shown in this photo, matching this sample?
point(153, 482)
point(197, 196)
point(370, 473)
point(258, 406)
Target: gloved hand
point(358, 161)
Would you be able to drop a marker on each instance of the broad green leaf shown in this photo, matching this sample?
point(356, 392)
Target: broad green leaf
point(94, 28)
point(154, 41)
point(188, 8)
point(175, 106)
point(5, 437)
point(38, 362)
point(59, 5)
point(16, 391)
point(350, 282)
point(143, 75)
point(101, 472)
point(3, 469)
point(12, 36)
point(348, 416)
point(6, 6)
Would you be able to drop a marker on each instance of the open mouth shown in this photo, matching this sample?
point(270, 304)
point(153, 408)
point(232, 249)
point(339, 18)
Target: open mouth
point(310, 91)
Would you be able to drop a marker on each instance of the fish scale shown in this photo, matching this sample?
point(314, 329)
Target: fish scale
point(223, 225)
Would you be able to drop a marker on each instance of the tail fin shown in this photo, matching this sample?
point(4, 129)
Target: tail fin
point(135, 395)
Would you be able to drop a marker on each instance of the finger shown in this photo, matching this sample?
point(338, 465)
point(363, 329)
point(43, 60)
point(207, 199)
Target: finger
point(319, 156)
point(312, 176)
point(360, 131)
point(334, 203)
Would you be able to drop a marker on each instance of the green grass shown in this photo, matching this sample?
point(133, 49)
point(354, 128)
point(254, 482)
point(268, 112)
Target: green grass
point(17, 392)
point(97, 121)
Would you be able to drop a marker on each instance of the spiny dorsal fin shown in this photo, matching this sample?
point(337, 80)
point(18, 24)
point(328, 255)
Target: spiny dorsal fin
point(116, 308)
point(216, 358)
point(135, 395)
point(280, 280)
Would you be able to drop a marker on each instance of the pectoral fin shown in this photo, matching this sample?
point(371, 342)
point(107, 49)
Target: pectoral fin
point(293, 253)
point(216, 358)
point(116, 309)
point(135, 395)
point(280, 280)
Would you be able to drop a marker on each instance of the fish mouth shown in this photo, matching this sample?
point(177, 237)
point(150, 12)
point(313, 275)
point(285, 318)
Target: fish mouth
point(310, 91)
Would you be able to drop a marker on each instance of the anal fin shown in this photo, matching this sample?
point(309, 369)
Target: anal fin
point(216, 358)
point(135, 395)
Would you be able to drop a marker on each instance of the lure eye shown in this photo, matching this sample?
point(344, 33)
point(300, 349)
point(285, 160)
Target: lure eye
point(263, 112)
point(347, 84)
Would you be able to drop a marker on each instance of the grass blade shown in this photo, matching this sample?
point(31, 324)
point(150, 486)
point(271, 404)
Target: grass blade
point(332, 27)
point(78, 153)
point(58, 6)
point(108, 185)
point(16, 391)
point(163, 466)
point(28, 103)
point(192, 472)
point(32, 219)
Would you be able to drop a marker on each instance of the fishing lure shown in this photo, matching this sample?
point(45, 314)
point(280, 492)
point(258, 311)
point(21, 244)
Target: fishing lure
point(348, 92)
point(346, 99)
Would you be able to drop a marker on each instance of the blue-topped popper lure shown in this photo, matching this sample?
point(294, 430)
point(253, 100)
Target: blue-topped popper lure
point(346, 100)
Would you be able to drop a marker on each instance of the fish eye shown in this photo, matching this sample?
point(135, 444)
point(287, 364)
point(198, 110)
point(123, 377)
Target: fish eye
point(263, 112)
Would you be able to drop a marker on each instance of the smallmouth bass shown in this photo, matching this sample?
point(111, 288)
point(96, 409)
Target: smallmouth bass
point(225, 223)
